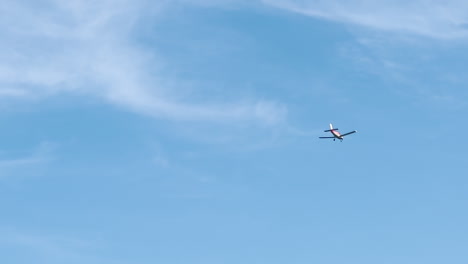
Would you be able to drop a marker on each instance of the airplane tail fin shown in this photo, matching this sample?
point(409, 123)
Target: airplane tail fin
point(331, 128)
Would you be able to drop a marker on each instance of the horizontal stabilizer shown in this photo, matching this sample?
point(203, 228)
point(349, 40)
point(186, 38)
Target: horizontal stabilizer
point(328, 130)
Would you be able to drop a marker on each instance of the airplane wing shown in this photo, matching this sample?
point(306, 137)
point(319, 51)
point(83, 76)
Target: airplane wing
point(326, 137)
point(349, 133)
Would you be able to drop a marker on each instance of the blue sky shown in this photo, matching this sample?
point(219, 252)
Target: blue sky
point(186, 131)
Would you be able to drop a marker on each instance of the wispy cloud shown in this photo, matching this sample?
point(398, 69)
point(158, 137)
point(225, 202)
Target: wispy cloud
point(42, 154)
point(88, 48)
point(44, 245)
point(19, 162)
point(436, 19)
point(41, 247)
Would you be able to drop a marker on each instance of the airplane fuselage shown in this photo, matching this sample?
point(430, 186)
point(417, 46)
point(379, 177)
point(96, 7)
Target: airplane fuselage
point(336, 134)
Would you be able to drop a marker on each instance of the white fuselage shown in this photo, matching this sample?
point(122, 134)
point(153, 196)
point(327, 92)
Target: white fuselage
point(336, 134)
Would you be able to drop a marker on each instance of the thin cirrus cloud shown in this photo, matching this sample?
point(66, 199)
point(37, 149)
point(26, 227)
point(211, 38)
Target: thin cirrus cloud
point(40, 155)
point(85, 47)
point(434, 19)
point(49, 248)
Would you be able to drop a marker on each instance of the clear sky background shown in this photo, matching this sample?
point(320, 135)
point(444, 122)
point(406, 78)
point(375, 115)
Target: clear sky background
point(186, 131)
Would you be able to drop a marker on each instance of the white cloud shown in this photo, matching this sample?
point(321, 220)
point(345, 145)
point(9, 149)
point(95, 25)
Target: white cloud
point(41, 154)
point(19, 162)
point(436, 19)
point(86, 47)
point(46, 248)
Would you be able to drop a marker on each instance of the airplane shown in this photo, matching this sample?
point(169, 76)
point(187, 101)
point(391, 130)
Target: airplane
point(336, 134)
